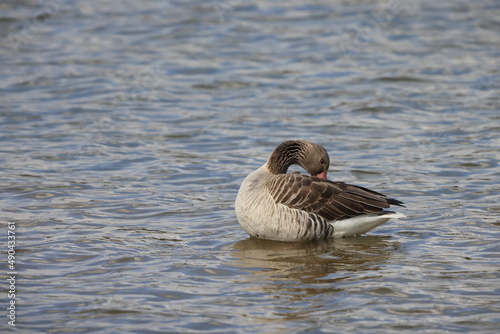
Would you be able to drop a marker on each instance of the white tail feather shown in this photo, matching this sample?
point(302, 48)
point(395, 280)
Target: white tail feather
point(361, 224)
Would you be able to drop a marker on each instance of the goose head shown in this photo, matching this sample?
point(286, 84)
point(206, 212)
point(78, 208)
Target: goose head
point(312, 157)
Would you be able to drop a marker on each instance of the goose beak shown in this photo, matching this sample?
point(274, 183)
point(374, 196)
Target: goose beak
point(322, 175)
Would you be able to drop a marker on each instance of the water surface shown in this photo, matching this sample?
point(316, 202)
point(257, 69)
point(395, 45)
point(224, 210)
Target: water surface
point(126, 130)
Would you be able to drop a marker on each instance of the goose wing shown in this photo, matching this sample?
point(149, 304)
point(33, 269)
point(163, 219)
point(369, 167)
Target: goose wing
point(328, 199)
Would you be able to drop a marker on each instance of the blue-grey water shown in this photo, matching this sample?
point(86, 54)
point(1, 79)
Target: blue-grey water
point(126, 128)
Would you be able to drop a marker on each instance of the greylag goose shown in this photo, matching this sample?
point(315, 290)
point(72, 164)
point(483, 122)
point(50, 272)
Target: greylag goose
point(274, 205)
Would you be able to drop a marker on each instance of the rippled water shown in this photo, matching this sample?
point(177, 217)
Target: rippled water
point(127, 128)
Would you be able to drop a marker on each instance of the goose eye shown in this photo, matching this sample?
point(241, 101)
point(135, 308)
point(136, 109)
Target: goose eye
point(322, 161)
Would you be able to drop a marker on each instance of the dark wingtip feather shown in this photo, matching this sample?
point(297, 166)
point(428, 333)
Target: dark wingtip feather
point(393, 201)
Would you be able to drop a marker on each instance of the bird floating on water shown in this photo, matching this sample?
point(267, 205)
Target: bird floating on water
point(274, 205)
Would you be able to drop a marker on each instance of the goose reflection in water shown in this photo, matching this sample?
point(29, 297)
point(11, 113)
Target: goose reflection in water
point(326, 261)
